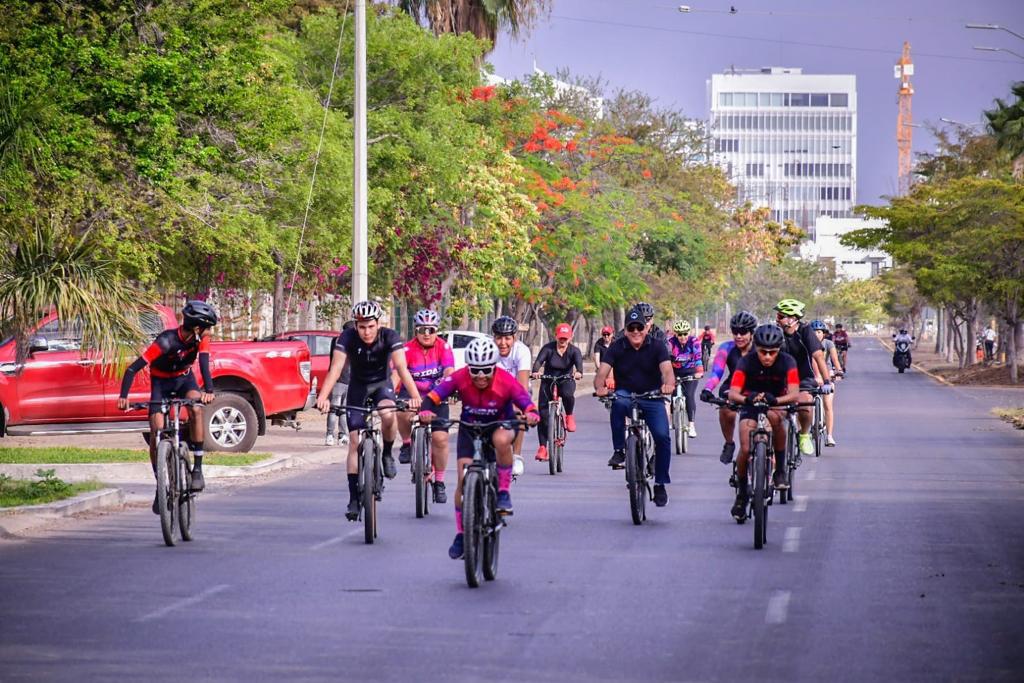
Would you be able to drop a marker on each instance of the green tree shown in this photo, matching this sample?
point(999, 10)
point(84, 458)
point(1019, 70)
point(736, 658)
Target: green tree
point(1006, 123)
point(481, 18)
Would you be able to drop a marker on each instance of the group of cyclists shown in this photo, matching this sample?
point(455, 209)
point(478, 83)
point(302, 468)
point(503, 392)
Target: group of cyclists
point(777, 363)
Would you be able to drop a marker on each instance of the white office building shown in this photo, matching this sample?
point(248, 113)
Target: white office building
point(849, 263)
point(787, 140)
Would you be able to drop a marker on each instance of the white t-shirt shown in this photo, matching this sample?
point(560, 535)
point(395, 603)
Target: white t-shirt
point(517, 360)
point(990, 334)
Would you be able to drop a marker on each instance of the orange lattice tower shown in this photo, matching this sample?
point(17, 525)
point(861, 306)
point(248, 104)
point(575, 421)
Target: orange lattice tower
point(903, 71)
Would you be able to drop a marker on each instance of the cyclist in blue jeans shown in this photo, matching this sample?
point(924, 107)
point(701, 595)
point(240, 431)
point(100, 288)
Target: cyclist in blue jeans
point(641, 364)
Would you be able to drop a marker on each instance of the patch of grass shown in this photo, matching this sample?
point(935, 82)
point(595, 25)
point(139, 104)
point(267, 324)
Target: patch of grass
point(63, 455)
point(46, 489)
point(1014, 416)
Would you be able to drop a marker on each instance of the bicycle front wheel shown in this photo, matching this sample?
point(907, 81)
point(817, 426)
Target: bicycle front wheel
point(760, 465)
point(367, 461)
point(166, 489)
point(635, 478)
point(420, 467)
point(186, 501)
point(819, 426)
point(679, 425)
point(560, 436)
point(492, 536)
point(473, 527)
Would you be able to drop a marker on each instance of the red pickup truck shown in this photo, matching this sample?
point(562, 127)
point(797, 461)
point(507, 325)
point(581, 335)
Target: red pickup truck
point(63, 389)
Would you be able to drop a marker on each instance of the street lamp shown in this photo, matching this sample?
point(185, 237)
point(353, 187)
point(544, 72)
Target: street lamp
point(960, 123)
point(999, 49)
point(994, 27)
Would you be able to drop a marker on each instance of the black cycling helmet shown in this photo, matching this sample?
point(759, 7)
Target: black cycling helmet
point(769, 336)
point(646, 309)
point(744, 320)
point(504, 326)
point(839, 326)
point(198, 314)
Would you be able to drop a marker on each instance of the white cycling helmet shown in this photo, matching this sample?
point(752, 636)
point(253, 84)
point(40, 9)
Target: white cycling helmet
point(367, 310)
point(481, 353)
point(426, 317)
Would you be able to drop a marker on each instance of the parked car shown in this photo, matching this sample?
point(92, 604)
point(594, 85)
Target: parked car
point(458, 340)
point(62, 388)
point(320, 344)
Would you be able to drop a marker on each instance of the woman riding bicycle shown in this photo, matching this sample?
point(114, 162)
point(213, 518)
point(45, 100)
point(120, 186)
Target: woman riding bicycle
point(559, 357)
point(688, 366)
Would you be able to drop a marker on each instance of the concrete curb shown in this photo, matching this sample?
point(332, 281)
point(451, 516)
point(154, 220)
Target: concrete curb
point(17, 519)
point(938, 378)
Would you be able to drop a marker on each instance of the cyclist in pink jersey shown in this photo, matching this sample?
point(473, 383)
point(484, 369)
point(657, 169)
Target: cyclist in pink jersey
point(430, 360)
point(488, 394)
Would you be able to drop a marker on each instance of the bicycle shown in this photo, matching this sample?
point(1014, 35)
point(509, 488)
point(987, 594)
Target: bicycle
point(705, 356)
point(640, 456)
point(371, 465)
point(481, 521)
point(818, 426)
point(556, 424)
point(422, 467)
point(175, 498)
point(680, 422)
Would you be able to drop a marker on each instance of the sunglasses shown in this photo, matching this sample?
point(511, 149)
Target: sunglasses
point(606, 334)
point(737, 332)
point(481, 372)
point(635, 328)
point(768, 352)
point(426, 330)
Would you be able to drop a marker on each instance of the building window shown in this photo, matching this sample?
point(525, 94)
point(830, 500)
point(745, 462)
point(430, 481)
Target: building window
point(725, 99)
point(839, 99)
point(777, 99)
point(727, 145)
point(755, 170)
point(819, 99)
point(799, 99)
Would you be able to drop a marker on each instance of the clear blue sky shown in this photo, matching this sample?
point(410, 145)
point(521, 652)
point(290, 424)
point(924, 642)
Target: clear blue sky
point(649, 45)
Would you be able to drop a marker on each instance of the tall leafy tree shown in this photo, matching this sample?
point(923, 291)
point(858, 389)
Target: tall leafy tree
point(1006, 123)
point(482, 18)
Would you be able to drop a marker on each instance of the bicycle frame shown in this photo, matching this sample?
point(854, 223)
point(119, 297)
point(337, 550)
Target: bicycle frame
point(556, 427)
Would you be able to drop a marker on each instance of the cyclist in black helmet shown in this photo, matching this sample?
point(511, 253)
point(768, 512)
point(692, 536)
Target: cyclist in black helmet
point(653, 331)
point(170, 359)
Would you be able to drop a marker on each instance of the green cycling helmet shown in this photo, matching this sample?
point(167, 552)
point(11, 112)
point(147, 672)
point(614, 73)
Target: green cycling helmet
point(681, 326)
point(790, 307)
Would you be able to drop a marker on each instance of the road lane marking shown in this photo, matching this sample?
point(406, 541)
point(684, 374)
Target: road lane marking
point(791, 541)
point(184, 602)
point(800, 503)
point(778, 605)
point(332, 541)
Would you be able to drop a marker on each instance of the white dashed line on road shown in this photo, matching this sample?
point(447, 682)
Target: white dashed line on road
point(184, 602)
point(778, 606)
point(337, 539)
point(800, 503)
point(791, 541)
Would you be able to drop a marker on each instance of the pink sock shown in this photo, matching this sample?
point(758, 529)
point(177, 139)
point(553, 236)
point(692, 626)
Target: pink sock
point(458, 520)
point(504, 478)
point(438, 475)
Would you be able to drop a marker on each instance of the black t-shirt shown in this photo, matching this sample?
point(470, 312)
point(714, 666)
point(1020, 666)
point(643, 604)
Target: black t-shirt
point(558, 365)
point(600, 348)
point(801, 345)
point(637, 370)
point(369, 362)
point(752, 377)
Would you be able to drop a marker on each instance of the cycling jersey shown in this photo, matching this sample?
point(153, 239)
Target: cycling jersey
point(727, 357)
point(427, 364)
point(517, 360)
point(751, 377)
point(686, 357)
point(497, 402)
point(827, 345)
point(369, 362)
point(840, 339)
point(600, 348)
point(170, 356)
point(555, 364)
point(801, 345)
point(707, 338)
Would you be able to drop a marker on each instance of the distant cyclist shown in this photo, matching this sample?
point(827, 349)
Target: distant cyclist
point(688, 366)
point(707, 343)
point(170, 358)
point(601, 345)
point(515, 358)
point(488, 394)
point(832, 361)
point(729, 354)
point(559, 357)
point(842, 341)
point(803, 345)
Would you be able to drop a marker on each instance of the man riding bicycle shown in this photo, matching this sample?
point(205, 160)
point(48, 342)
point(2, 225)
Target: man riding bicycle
point(488, 394)
point(834, 367)
point(842, 341)
point(369, 349)
point(170, 358)
point(688, 366)
point(641, 365)
point(803, 345)
point(559, 357)
point(728, 356)
point(768, 375)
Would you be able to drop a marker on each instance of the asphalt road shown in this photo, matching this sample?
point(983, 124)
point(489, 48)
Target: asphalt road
point(902, 560)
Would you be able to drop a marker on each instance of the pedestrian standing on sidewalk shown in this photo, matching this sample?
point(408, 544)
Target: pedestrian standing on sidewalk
point(989, 335)
point(337, 425)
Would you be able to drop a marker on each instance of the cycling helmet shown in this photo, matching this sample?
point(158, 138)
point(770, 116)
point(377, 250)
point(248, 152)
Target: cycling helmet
point(790, 307)
point(817, 325)
point(504, 326)
point(426, 317)
point(646, 309)
point(198, 314)
point(367, 310)
point(481, 353)
point(839, 326)
point(769, 336)
point(681, 326)
point(744, 320)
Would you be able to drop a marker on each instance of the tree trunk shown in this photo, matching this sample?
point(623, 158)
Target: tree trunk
point(938, 330)
point(278, 315)
point(972, 325)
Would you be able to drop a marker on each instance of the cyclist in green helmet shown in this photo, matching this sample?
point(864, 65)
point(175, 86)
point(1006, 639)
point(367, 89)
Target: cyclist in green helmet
point(802, 343)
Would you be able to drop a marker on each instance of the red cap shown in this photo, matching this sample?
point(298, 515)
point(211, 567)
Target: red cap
point(563, 331)
point(607, 329)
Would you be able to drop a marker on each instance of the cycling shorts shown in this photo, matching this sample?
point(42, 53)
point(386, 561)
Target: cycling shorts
point(357, 396)
point(464, 445)
point(170, 387)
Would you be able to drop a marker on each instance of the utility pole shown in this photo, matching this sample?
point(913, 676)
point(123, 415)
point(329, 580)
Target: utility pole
point(359, 227)
point(903, 71)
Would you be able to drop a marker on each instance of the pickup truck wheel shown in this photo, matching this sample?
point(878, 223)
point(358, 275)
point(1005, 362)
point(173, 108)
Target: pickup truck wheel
point(231, 424)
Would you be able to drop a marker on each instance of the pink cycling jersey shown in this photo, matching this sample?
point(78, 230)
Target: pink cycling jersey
point(427, 364)
point(487, 405)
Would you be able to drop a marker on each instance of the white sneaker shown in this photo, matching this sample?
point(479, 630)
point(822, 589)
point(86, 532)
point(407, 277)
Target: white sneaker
point(518, 465)
point(693, 431)
point(829, 441)
point(343, 440)
point(329, 441)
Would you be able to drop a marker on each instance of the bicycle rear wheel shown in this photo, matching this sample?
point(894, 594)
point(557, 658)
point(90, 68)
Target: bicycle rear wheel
point(760, 465)
point(186, 500)
point(166, 489)
point(560, 436)
point(473, 527)
point(634, 478)
point(819, 426)
point(492, 537)
point(367, 461)
point(420, 467)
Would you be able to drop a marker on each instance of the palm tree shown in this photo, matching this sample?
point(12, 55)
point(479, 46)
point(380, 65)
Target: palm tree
point(1006, 122)
point(482, 18)
point(46, 266)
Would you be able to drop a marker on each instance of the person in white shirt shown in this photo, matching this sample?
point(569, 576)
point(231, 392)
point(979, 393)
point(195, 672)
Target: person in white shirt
point(989, 336)
point(515, 358)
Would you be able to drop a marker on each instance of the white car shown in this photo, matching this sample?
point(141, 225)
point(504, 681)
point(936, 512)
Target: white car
point(458, 340)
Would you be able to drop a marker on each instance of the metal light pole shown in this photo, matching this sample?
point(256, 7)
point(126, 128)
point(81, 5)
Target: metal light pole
point(359, 228)
point(994, 27)
point(998, 49)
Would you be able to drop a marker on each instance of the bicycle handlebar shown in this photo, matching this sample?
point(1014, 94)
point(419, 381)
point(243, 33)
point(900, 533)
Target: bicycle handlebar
point(759, 405)
point(141, 405)
point(475, 426)
point(557, 378)
point(400, 406)
point(644, 396)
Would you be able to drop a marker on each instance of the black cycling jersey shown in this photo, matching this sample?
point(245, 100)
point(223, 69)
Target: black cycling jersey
point(600, 348)
point(801, 345)
point(555, 364)
point(171, 356)
point(752, 377)
point(369, 363)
